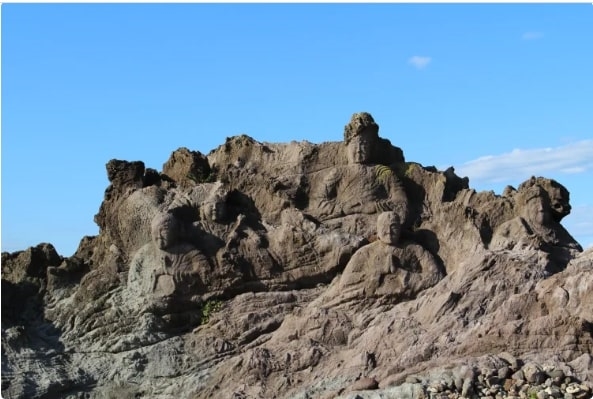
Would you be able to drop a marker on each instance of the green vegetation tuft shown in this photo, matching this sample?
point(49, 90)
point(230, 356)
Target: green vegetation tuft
point(405, 169)
point(210, 178)
point(383, 173)
point(192, 177)
point(208, 309)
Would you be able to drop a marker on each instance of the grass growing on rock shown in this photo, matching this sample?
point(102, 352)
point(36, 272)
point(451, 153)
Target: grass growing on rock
point(383, 173)
point(208, 309)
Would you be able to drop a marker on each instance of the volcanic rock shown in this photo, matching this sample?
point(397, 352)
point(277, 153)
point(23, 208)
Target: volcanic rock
point(300, 270)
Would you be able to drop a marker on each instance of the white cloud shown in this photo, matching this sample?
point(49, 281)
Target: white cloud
point(532, 35)
point(573, 170)
point(419, 62)
point(519, 164)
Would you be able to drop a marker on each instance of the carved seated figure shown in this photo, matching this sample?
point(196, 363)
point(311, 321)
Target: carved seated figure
point(557, 194)
point(213, 208)
point(536, 225)
point(168, 271)
point(208, 200)
point(389, 267)
point(358, 187)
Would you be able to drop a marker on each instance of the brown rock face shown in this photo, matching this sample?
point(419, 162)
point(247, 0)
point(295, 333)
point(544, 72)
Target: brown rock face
point(30, 263)
point(24, 277)
point(300, 270)
point(124, 173)
point(187, 168)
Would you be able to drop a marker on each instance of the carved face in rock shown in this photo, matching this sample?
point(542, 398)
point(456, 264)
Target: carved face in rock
point(165, 231)
point(557, 196)
point(176, 286)
point(360, 149)
point(214, 210)
point(559, 201)
point(389, 228)
point(536, 209)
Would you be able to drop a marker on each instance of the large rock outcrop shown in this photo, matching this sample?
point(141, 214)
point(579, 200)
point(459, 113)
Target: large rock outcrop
point(304, 270)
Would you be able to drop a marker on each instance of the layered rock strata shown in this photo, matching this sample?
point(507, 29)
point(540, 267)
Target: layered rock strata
point(301, 270)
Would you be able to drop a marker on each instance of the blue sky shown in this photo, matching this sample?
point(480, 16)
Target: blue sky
point(499, 91)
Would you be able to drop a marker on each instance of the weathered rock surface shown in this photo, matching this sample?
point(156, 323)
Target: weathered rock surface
point(302, 270)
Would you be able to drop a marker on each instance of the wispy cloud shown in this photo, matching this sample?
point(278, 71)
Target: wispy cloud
point(419, 62)
point(518, 164)
point(532, 35)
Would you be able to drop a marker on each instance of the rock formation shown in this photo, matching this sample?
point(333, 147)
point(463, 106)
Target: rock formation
point(301, 270)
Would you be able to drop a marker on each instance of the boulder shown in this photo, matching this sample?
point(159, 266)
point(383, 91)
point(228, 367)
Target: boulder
point(187, 168)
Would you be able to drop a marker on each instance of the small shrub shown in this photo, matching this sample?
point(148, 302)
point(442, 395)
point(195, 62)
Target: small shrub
point(202, 178)
point(405, 169)
point(192, 177)
point(383, 173)
point(208, 309)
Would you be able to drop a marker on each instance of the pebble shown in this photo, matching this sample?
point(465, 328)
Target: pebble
point(530, 382)
point(573, 388)
point(504, 372)
point(556, 374)
point(518, 375)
